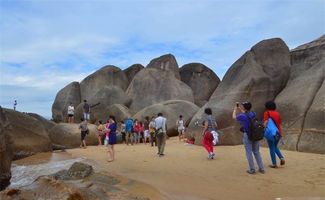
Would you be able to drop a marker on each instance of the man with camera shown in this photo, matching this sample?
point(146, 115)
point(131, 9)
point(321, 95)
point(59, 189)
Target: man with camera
point(244, 116)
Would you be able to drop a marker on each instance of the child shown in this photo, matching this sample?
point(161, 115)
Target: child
point(123, 132)
point(100, 130)
point(152, 130)
point(106, 132)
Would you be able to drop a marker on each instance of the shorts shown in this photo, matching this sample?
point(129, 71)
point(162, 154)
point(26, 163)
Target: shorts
point(180, 129)
point(128, 134)
point(87, 116)
point(83, 135)
point(123, 136)
point(136, 136)
point(146, 133)
point(70, 115)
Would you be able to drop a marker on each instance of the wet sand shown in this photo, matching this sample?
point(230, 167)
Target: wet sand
point(185, 172)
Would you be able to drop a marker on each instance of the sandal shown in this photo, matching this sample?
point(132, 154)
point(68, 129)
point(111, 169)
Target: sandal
point(282, 162)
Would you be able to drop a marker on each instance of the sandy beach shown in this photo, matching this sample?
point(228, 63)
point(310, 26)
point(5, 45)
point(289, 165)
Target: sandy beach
point(185, 172)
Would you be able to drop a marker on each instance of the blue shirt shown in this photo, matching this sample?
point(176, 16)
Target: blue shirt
point(244, 120)
point(129, 125)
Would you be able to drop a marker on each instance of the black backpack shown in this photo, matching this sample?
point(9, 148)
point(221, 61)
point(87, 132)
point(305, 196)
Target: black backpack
point(256, 129)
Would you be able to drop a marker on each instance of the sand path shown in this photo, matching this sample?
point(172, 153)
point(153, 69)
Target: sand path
point(185, 172)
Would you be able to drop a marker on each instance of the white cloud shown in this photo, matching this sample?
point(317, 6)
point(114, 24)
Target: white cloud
point(48, 44)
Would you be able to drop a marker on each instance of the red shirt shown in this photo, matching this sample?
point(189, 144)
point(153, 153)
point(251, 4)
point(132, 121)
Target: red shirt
point(137, 128)
point(276, 118)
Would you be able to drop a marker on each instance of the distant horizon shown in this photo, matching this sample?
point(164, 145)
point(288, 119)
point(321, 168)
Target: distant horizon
point(46, 45)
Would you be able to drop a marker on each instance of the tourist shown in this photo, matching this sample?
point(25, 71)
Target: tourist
point(270, 112)
point(106, 140)
point(141, 132)
point(146, 133)
point(70, 113)
point(152, 130)
point(180, 125)
point(137, 130)
point(86, 110)
point(189, 141)
point(15, 104)
point(101, 133)
point(251, 147)
point(161, 130)
point(123, 132)
point(112, 138)
point(210, 127)
point(129, 131)
point(83, 126)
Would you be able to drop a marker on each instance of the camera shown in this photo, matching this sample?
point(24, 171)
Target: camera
point(237, 104)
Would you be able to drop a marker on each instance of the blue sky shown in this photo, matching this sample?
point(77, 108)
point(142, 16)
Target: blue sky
point(46, 44)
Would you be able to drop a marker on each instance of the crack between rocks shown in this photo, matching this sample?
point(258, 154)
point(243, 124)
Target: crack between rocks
point(305, 113)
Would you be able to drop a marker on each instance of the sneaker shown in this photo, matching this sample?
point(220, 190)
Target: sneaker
point(212, 155)
point(262, 171)
point(160, 155)
point(251, 171)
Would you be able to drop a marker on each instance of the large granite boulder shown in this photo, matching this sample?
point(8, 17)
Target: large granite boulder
point(258, 76)
point(312, 138)
point(29, 134)
point(171, 110)
point(131, 71)
point(48, 124)
point(166, 63)
point(69, 94)
point(6, 152)
point(120, 112)
point(105, 77)
point(296, 101)
point(151, 86)
point(201, 79)
point(101, 101)
point(68, 135)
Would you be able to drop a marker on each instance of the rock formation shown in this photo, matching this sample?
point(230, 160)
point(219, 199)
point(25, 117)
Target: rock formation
point(171, 110)
point(69, 94)
point(131, 71)
point(151, 86)
point(48, 124)
point(6, 152)
point(68, 135)
point(79, 182)
point(258, 76)
point(105, 77)
point(301, 103)
point(166, 63)
point(29, 134)
point(201, 79)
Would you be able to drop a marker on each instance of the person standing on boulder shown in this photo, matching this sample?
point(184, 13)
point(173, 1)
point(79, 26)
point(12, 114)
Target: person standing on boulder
point(180, 125)
point(129, 130)
point(270, 112)
point(70, 113)
point(83, 126)
point(251, 147)
point(210, 127)
point(86, 109)
point(15, 104)
point(112, 137)
point(161, 130)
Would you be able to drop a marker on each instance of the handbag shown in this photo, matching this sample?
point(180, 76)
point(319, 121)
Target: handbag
point(271, 129)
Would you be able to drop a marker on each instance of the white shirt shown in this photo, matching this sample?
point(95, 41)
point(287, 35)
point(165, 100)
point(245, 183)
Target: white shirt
point(70, 110)
point(161, 123)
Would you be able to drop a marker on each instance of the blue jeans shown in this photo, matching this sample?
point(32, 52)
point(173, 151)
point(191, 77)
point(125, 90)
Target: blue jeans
point(87, 116)
point(252, 148)
point(273, 146)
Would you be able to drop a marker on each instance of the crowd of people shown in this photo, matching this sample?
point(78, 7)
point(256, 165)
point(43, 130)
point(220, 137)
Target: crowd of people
point(153, 131)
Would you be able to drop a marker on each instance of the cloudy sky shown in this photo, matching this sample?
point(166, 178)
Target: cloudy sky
point(46, 44)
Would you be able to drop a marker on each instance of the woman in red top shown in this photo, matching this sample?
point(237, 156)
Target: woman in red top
point(273, 144)
point(137, 130)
